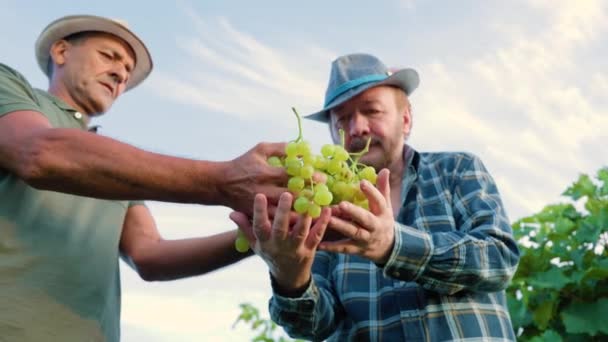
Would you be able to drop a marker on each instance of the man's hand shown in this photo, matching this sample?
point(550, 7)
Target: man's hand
point(250, 174)
point(287, 250)
point(370, 233)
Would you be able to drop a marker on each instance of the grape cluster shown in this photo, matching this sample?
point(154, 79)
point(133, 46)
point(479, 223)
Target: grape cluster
point(320, 180)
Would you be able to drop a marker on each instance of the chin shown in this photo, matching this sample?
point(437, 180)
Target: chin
point(377, 162)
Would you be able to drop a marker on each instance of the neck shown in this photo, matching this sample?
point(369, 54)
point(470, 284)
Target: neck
point(397, 169)
point(62, 94)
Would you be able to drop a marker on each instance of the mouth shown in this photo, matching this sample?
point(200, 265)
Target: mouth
point(358, 146)
point(109, 87)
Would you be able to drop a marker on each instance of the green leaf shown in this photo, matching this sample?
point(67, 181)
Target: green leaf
point(589, 230)
point(582, 187)
point(543, 314)
point(551, 335)
point(602, 175)
point(586, 318)
point(520, 316)
point(551, 279)
point(595, 273)
point(564, 226)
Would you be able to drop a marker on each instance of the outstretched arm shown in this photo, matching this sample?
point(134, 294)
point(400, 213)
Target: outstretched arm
point(86, 164)
point(157, 259)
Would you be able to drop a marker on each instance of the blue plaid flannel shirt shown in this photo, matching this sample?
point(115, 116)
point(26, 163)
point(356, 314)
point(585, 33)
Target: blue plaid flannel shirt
point(454, 254)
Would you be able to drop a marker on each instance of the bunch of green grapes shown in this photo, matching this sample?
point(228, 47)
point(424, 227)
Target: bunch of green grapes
point(320, 180)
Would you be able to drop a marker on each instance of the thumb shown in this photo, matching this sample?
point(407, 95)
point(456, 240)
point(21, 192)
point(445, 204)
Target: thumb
point(383, 184)
point(242, 221)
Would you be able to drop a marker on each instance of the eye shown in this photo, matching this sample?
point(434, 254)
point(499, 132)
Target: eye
point(106, 55)
point(371, 111)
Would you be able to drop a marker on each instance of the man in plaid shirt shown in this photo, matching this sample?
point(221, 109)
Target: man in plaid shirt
point(428, 262)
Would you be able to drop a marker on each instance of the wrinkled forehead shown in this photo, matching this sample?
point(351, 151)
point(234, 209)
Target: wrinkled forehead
point(106, 40)
point(381, 95)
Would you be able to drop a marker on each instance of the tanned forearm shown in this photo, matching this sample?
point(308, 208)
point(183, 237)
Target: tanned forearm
point(175, 259)
point(86, 164)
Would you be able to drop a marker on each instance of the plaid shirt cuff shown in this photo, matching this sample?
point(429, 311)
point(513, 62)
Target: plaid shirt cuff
point(412, 251)
point(296, 312)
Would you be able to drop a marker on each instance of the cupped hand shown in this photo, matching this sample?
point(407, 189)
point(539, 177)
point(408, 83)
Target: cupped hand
point(366, 233)
point(288, 249)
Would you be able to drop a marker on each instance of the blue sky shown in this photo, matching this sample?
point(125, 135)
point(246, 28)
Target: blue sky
point(522, 84)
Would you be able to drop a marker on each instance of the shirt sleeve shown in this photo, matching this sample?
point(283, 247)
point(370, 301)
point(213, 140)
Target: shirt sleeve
point(479, 254)
point(15, 92)
point(316, 313)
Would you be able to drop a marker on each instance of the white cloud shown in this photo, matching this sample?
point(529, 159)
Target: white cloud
point(226, 63)
point(525, 105)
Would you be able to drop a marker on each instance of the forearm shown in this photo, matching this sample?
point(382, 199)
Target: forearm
point(86, 164)
point(174, 259)
point(316, 312)
point(449, 262)
point(312, 316)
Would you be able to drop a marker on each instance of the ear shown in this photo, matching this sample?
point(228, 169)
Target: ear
point(335, 136)
point(406, 114)
point(59, 51)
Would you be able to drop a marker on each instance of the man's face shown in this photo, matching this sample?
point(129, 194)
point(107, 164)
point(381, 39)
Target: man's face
point(93, 71)
point(373, 114)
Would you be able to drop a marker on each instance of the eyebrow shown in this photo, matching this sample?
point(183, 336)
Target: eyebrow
point(120, 57)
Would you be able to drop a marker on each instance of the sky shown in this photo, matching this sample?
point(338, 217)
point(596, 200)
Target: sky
point(521, 84)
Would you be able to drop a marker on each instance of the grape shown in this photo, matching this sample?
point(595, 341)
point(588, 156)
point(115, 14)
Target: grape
point(293, 166)
point(241, 244)
point(323, 198)
point(368, 173)
point(307, 171)
point(314, 210)
point(295, 184)
point(340, 154)
point(275, 161)
point(301, 205)
point(291, 150)
point(321, 188)
point(307, 193)
point(319, 163)
point(334, 166)
point(303, 148)
point(328, 150)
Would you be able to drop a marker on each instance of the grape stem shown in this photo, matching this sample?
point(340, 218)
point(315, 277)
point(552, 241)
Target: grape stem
point(354, 162)
point(300, 137)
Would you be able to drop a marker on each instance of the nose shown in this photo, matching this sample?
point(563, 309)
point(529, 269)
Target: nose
point(119, 74)
point(358, 125)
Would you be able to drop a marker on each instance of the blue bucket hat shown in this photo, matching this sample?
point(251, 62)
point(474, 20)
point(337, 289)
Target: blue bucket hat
point(352, 74)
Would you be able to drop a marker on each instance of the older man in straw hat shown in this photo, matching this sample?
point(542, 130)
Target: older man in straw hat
point(71, 198)
point(428, 262)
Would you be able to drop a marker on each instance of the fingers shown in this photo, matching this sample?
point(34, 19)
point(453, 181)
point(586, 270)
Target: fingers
point(293, 216)
point(261, 223)
point(242, 221)
point(349, 230)
point(272, 149)
point(301, 229)
point(318, 229)
point(280, 224)
point(357, 214)
point(274, 193)
point(384, 186)
point(342, 246)
point(377, 202)
point(319, 177)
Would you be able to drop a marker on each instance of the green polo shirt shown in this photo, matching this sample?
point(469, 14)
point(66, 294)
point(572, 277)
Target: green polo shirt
point(59, 253)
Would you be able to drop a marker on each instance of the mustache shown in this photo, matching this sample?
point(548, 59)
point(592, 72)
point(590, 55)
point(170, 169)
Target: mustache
point(358, 144)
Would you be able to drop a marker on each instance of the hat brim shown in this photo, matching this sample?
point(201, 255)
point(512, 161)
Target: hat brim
point(69, 25)
point(405, 79)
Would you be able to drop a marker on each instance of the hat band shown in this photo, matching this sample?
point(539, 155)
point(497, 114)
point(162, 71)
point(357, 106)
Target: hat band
point(351, 84)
